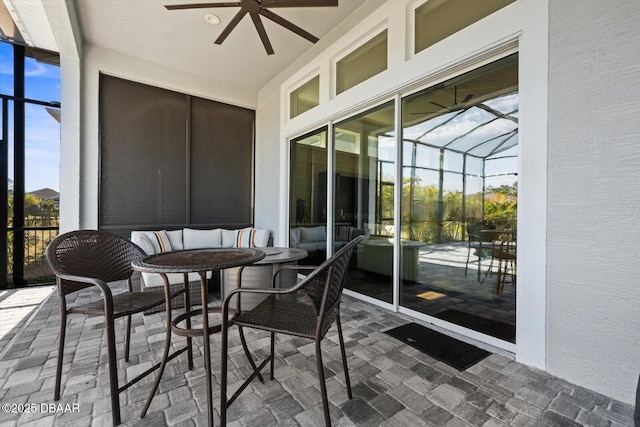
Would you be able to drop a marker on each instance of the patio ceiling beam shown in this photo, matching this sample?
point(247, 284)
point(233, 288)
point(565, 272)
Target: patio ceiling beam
point(498, 148)
point(506, 134)
point(437, 147)
point(497, 113)
point(481, 125)
point(443, 123)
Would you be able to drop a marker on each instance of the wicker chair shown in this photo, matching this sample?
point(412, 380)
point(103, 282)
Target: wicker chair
point(322, 290)
point(481, 240)
point(505, 253)
point(85, 258)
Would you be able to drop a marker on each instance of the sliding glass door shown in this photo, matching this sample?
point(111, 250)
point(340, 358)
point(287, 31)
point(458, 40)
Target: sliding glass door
point(364, 182)
point(459, 202)
point(457, 230)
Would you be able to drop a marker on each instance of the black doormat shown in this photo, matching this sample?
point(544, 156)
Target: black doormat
point(451, 351)
point(491, 327)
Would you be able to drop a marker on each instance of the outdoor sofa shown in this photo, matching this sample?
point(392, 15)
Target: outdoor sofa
point(154, 242)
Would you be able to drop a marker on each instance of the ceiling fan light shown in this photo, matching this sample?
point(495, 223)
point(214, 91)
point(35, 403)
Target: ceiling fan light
point(212, 19)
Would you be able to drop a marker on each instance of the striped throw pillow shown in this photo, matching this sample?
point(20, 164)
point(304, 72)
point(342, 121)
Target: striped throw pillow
point(163, 240)
point(252, 238)
point(246, 238)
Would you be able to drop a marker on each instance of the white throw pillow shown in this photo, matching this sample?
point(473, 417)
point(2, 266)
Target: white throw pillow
point(143, 241)
point(200, 239)
point(229, 238)
point(175, 237)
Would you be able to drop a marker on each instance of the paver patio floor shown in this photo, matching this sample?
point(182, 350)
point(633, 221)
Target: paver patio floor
point(393, 384)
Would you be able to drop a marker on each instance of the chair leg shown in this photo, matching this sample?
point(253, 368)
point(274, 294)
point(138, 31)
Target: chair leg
point(323, 385)
point(501, 277)
point(113, 369)
point(223, 372)
point(165, 355)
point(224, 401)
point(63, 331)
point(127, 340)
point(248, 354)
point(186, 299)
point(271, 363)
point(479, 261)
point(344, 358)
point(466, 265)
point(490, 270)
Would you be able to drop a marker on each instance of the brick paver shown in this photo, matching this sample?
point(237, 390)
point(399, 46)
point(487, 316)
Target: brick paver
point(393, 384)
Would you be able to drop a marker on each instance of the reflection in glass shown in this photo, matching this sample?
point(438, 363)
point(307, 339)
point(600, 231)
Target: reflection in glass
point(363, 63)
point(308, 195)
point(459, 199)
point(305, 97)
point(364, 189)
point(437, 19)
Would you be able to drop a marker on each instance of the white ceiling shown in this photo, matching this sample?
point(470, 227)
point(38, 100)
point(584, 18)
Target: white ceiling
point(182, 39)
point(30, 19)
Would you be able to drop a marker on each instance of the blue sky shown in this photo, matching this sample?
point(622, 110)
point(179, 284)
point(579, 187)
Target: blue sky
point(42, 82)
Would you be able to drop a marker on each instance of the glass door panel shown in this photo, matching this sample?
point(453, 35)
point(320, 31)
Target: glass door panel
point(459, 200)
point(308, 196)
point(364, 182)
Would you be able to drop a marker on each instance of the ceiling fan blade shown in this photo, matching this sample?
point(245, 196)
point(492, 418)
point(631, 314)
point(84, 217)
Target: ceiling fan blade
point(288, 25)
point(466, 99)
point(232, 24)
point(201, 5)
point(298, 3)
point(439, 105)
point(262, 33)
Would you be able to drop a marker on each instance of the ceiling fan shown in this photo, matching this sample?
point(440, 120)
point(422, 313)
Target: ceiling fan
point(255, 8)
point(456, 106)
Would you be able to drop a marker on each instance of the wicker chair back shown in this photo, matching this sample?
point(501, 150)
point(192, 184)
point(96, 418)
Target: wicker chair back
point(91, 253)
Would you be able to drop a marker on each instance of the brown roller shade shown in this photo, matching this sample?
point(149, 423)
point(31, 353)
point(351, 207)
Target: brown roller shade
point(221, 166)
point(169, 160)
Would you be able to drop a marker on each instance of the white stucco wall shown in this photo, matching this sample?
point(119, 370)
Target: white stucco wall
point(593, 304)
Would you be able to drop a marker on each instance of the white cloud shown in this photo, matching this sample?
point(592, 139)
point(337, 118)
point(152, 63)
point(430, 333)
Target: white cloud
point(33, 68)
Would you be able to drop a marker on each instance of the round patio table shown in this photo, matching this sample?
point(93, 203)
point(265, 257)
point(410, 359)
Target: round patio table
point(199, 261)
